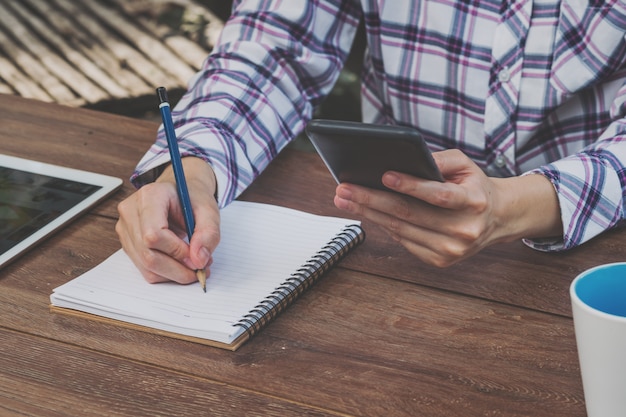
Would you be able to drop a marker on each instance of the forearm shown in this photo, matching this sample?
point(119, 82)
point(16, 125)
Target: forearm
point(256, 90)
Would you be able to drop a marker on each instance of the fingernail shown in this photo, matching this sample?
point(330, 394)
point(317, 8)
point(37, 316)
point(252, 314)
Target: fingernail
point(204, 255)
point(391, 180)
point(342, 204)
point(344, 193)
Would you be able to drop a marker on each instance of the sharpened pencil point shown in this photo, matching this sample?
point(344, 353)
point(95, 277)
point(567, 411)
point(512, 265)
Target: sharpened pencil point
point(201, 274)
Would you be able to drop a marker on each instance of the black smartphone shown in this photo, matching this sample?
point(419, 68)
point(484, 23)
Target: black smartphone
point(360, 153)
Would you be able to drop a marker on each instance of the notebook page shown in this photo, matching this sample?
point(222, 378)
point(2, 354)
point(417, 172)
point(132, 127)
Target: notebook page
point(261, 246)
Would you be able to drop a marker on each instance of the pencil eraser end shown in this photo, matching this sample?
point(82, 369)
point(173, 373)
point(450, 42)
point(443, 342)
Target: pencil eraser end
point(162, 95)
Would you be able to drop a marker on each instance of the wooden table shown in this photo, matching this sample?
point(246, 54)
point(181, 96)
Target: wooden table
point(380, 335)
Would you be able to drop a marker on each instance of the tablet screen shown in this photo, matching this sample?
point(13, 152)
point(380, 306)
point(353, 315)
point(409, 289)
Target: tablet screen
point(29, 201)
point(36, 199)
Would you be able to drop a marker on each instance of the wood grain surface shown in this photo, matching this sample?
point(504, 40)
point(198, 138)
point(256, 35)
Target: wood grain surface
point(380, 335)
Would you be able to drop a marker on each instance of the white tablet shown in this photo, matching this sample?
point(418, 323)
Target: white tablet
point(36, 199)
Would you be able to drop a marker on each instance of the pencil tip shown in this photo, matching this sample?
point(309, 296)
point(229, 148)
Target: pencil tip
point(201, 274)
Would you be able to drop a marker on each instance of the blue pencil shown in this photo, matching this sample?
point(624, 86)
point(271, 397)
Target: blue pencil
point(179, 175)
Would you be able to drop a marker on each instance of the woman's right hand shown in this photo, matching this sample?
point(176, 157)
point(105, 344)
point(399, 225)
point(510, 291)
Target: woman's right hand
point(151, 227)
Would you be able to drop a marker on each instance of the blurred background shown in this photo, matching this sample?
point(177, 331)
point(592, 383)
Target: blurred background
point(110, 54)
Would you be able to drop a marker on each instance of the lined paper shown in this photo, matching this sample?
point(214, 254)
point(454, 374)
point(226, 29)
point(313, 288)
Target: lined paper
point(261, 247)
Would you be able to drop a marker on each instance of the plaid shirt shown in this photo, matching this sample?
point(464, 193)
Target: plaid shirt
point(518, 85)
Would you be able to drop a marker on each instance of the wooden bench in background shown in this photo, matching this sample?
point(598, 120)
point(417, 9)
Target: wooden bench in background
point(104, 54)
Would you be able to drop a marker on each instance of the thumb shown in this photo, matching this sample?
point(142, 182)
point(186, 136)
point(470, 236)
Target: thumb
point(201, 184)
point(453, 163)
point(206, 234)
point(204, 240)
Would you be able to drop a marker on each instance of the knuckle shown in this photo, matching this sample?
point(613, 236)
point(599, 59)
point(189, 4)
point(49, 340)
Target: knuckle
point(150, 261)
point(469, 232)
point(441, 261)
point(152, 278)
point(121, 207)
point(442, 197)
point(402, 210)
point(362, 198)
point(150, 238)
point(148, 193)
point(480, 202)
point(457, 153)
point(453, 251)
point(119, 228)
point(393, 224)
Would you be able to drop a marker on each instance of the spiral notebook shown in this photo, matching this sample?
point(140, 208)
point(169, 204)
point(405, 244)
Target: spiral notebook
point(267, 257)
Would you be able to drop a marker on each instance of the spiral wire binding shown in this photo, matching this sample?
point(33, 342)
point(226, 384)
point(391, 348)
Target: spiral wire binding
point(302, 279)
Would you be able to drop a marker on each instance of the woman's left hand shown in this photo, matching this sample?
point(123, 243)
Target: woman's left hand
point(443, 223)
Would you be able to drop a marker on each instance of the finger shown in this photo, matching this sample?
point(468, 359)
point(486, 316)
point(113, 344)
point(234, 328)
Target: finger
point(206, 235)
point(446, 195)
point(401, 229)
point(204, 240)
point(157, 266)
point(396, 212)
point(155, 229)
point(158, 252)
point(429, 245)
point(357, 200)
point(430, 255)
point(153, 265)
point(344, 200)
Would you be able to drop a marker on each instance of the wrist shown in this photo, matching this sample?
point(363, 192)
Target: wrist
point(527, 207)
point(196, 170)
